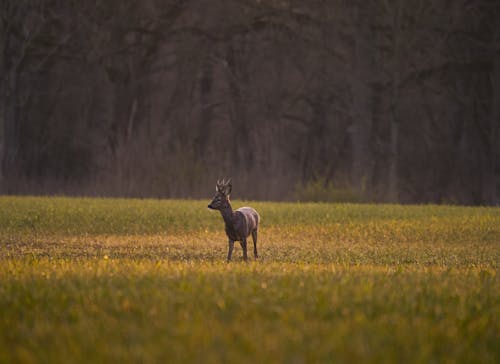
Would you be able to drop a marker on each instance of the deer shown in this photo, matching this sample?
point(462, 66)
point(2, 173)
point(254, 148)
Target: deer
point(240, 223)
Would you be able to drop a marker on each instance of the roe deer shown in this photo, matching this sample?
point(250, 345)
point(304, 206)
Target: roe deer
point(240, 223)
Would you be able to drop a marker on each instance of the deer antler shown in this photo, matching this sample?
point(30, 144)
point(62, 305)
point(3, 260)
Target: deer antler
point(223, 186)
point(228, 187)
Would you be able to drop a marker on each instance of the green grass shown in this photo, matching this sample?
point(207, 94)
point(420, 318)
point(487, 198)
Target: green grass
point(106, 280)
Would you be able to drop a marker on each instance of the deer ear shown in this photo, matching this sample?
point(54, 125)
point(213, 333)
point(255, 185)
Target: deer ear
point(229, 187)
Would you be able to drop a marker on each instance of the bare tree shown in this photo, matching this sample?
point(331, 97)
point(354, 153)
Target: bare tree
point(396, 100)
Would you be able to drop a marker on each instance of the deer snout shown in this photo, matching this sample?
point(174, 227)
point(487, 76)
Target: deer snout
point(210, 206)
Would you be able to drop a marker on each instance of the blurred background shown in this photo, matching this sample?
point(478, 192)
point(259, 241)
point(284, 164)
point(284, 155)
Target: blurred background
point(382, 100)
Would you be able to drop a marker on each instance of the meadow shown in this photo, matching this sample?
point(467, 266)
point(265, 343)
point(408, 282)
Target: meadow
point(105, 280)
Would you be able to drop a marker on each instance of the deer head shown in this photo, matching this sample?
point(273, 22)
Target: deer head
point(222, 192)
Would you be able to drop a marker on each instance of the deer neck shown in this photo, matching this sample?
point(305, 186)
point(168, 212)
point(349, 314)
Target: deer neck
point(227, 213)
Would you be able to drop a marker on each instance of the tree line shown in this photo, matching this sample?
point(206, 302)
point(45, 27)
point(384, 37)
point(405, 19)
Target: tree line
point(390, 100)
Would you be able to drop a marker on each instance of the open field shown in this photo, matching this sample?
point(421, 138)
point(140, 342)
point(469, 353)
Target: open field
point(105, 280)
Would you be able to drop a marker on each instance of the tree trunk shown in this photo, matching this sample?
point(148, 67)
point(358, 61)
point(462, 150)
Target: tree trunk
point(11, 132)
point(206, 106)
point(315, 158)
point(362, 99)
point(241, 153)
point(393, 162)
point(393, 193)
point(491, 179)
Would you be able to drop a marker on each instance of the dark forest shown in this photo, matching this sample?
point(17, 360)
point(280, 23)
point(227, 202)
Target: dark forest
point(375, 101)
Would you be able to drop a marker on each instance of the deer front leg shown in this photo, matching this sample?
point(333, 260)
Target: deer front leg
point(243, 244)
point(254, 238)
point(230, 252)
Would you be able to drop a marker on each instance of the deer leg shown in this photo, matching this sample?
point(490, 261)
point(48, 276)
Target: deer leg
point(243, 244)
point(230, 252)
point(254, 238)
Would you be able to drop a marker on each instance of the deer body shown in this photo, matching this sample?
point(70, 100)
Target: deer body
point(239, 224)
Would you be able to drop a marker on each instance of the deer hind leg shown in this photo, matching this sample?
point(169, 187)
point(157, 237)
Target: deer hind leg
point(254, 238)
point(243, 244)
point(230, 252)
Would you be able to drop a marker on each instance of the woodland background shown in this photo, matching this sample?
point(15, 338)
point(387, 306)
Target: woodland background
point(380, 100)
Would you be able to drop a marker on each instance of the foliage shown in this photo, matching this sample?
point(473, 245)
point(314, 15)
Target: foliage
point(101, 280)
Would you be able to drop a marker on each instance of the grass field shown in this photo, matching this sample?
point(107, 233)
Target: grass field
point(110, 280)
